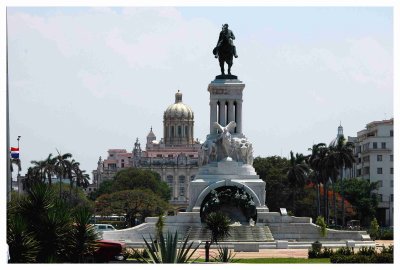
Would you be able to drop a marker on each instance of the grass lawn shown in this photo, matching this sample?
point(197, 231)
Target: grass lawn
point(284, 260)
point(278, 260)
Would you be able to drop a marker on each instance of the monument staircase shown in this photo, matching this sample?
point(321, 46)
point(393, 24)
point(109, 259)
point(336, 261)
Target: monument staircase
point(237, 234)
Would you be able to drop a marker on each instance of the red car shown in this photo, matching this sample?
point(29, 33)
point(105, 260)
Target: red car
point(110, 251)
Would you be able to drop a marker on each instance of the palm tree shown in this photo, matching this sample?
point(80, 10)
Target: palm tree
point(39, 166)
point(72, 171)
point(218, 224)
point(316, 163)
point(343, 153)
point(49, 169)
point(297, 174)
point(61, 166)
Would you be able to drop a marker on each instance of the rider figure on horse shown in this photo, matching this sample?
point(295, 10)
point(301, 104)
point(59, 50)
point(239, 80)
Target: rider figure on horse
point(225, 34)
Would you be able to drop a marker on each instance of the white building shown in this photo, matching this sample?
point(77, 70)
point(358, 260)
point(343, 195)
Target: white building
point(374, 162)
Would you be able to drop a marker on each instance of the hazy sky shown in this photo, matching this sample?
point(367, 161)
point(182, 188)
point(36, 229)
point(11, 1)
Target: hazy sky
point(84, 80)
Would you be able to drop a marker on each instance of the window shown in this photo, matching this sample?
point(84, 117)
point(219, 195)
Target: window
point(383, 145)
point(170, 180)
point(172, 131)
point(391, 157)
point(170, 156)
point(391, 133)
point(181, 191)
point(391, 197)
point(112, 166)
point(379, 158)
point(379, 197)
point(122, 165)
point(365, 146)
point(192, 177)
point(179, 131)
point(379, 170)
point(375, 145)
point(391, 170)
point(391, 183)
point(379, 183)
point(366, 158)
point(358, 172)
point(181, 179)
point(159, 155)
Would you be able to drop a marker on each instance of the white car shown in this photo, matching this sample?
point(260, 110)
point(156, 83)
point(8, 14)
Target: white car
point(104, 227)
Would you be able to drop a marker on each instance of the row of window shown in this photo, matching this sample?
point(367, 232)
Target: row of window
point(365, 146)
point(380, 170)
point(180, 131)
point(381, 199)
point(171, 156)
point(366, 170)
point(181, 179)
point(378, 158)
point(380, 183)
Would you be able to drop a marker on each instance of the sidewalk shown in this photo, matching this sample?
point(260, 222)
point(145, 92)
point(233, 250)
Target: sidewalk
point(276, 253)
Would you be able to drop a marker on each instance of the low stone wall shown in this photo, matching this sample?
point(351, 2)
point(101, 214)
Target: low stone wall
point(301, 229)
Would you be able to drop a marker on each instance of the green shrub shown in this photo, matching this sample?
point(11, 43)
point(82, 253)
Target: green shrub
point(322, 225)
point(367, 251)
point(374, 229)
point(317, 253)
point(385, 234)
point(224, 255)
point(364, 255)
point(384, 258)
point(345, 251)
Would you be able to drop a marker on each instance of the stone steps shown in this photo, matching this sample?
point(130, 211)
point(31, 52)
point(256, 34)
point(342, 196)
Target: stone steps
point(237, 234)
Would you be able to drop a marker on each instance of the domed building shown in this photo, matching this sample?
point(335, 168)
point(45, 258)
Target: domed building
point(178, 123)
point(174, 157)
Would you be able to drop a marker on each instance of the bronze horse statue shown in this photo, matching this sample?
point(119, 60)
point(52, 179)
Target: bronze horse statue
point(225, 50)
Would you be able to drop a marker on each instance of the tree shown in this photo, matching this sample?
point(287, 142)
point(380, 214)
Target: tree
point(61, 166)
point(134, 204)
point(297, 172)
point(47, 220)
point(50, 168)
point(345, 158)
point(134, 178)
point(316, 161)
point(272, 170)
point(218, 224)
point(40, 167)
point(360, 193)
point(83, 235)
point(106, 187)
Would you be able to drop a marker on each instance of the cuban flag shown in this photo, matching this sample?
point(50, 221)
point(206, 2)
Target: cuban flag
point(14, 152)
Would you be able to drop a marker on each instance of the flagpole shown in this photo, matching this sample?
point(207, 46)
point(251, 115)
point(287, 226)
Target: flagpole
point(19, 164)
point(9, 176)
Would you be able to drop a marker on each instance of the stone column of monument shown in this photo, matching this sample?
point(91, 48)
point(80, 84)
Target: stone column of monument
point(226, 156)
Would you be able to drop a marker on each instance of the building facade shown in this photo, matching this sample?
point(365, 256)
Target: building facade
point(374, 161)
point(174, 157)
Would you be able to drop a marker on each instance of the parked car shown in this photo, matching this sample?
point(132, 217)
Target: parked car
point(104, 227)
point(353, 225)
point(110, 251)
